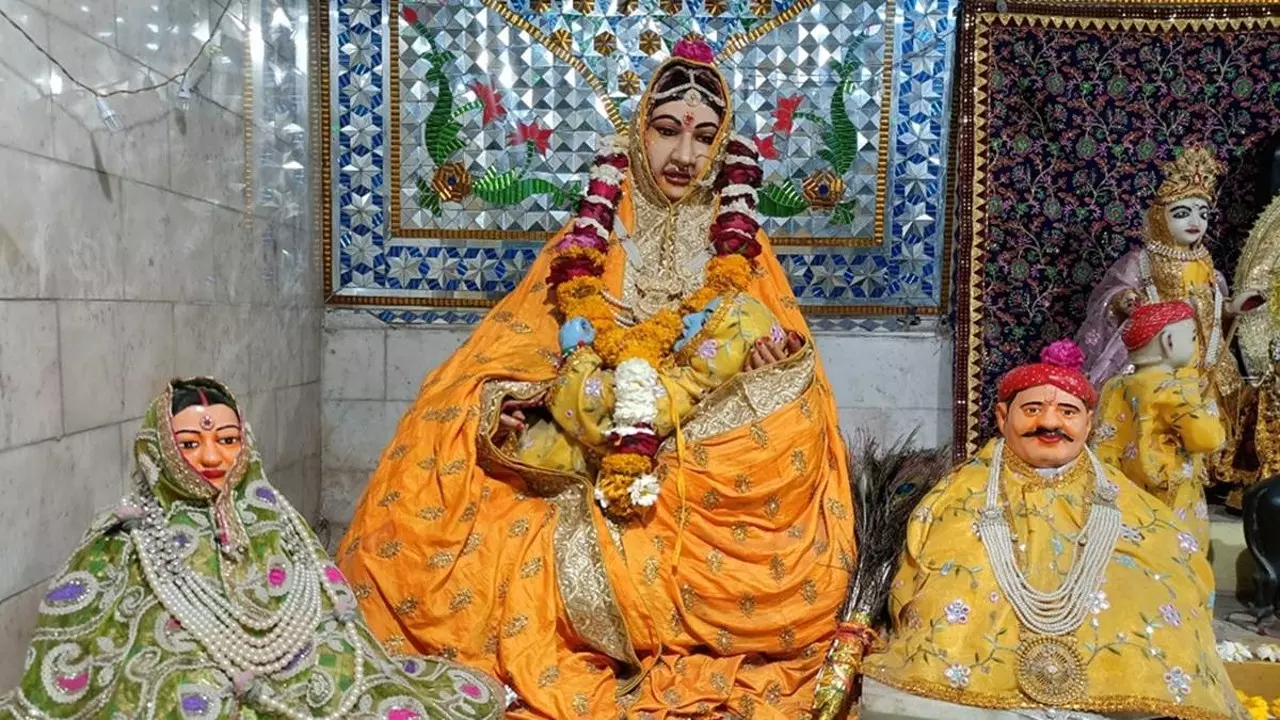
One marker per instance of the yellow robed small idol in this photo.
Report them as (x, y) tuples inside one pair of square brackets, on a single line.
[(1155, 423), (1037, 579)]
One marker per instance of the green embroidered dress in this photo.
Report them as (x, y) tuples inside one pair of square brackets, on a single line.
[(190, 602)]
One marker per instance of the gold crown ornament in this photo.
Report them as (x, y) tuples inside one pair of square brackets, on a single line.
[(1193, 174)]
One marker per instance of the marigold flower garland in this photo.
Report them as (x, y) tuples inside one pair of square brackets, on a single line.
[(626, 484)]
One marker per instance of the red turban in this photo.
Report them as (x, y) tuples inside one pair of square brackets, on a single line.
[(1060, 365), (1148, 320)]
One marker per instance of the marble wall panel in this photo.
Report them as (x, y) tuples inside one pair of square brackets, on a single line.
[(24, 81), (30, 389)]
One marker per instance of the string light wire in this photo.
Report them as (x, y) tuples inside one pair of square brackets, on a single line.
[(102, 95)]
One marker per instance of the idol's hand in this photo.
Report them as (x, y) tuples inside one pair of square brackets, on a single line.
[(766, 352), (512, 418), (1125, 303), (1245, 302)]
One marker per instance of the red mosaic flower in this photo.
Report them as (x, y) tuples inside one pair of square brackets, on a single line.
[(764, 146), (491, 99), (784, 114), (532, 133)]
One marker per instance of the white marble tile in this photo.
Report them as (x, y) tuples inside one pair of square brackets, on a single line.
[(40, 527), (30, 387), (24, 227), (24, 80), (310, 317), (222, 78), (340, 493), (168, 249), (300, 482), (213, 340), (296, 259), (82, 248), (269, 349), (896, 371), (932, 427), (242, 259), (162, 35), (146, 335), (92, 364), (18, 616), (340, 319), (128, 436), (259, 411), (298, 423), (95, 19), (207, 153), (355, 432), (412, 353), (140, 150), (354, 365)]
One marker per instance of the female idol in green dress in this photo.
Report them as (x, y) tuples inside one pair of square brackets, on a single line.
[(206, 595)]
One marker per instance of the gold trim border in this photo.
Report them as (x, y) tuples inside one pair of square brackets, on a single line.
[(735, 44), (1003, 701), (982, 22)]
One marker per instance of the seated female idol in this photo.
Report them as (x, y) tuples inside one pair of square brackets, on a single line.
[(627, 491), (207, 596)]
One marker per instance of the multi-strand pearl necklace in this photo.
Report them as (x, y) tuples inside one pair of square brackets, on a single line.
[(244, 641), (1063, 609)]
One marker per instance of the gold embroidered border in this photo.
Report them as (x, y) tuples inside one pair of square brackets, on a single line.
[(969, 370), (1008, 701), (749, 397), (588, 597)]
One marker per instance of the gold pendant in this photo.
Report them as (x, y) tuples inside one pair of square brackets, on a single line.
[(1051, 670)]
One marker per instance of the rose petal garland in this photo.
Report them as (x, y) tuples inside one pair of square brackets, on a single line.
[(626, 484)]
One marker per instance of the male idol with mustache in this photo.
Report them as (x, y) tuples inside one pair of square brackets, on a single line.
[(1036, 580)]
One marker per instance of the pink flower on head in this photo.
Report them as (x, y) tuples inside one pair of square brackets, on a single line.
[(696, 50), (1063, 353)]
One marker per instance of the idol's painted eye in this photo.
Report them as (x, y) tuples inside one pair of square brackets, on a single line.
[(188, 444)]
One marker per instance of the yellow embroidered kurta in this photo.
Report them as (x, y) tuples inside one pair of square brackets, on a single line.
[(501, 559), (1157, 428), (1147, 644)]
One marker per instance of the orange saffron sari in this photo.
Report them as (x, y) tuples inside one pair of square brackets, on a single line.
[(720, 599)]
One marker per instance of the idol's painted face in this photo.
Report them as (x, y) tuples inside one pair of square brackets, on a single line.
[(1045, 426), (1179, 342), (1188, 220), (677, 143), (210, 440)]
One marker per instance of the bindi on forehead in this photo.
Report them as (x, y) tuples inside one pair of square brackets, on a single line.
[(688, 120)]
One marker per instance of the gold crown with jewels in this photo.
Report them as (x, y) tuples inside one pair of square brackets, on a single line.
[(1193, 174)]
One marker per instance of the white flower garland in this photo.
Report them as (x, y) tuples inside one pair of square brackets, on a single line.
[(635, 394)]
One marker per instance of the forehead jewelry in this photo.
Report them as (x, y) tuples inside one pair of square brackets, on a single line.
[(206, 421), (693, 97)]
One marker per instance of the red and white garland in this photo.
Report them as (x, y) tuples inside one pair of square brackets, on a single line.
[(626, 483)]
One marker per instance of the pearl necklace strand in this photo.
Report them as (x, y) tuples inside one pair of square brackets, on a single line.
[(247, 643), (1063, 609)]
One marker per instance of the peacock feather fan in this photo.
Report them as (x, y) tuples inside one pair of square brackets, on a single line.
[(888, 484)]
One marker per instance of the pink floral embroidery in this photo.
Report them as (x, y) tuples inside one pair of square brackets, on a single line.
[(472, 691), (402, 714), (335, 576), (73, 683), (1171, 614), (957, 612), (276, 576)]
